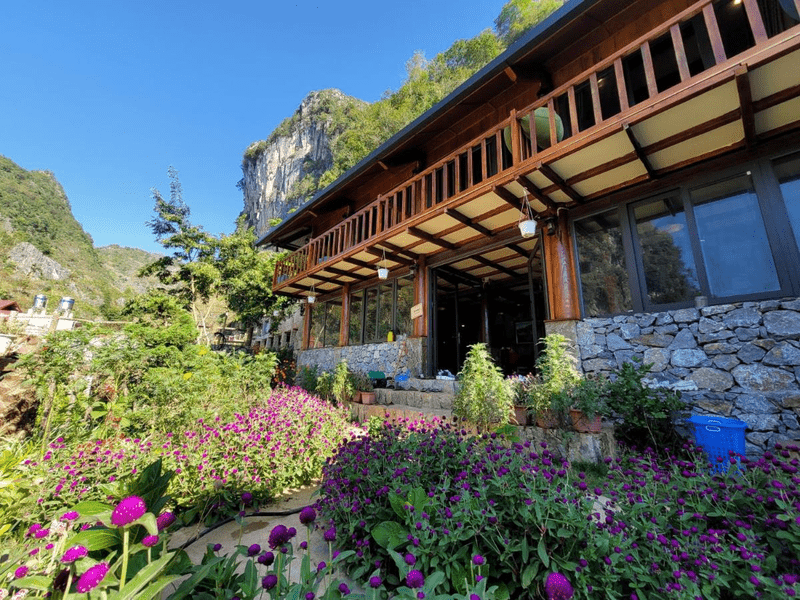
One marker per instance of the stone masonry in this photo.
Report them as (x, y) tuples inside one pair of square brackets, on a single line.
[(393, 358), (733, 360)]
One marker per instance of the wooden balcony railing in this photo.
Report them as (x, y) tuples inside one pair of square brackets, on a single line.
[(686, 45)]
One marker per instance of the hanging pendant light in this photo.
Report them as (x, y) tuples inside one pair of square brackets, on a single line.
[(312, 295), (383, 272), (527, 224)]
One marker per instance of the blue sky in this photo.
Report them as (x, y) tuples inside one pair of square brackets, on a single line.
[(108, 94)]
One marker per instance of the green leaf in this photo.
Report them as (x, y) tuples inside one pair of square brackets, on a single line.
[(36, 582), (97, 539), (542, 550), (529, 574), (398, 502), (389, 534), (90, 507), (187, 587), (148, 521), (138, 586)]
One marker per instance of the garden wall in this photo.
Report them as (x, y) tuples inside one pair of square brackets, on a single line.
[(734, 360), (403, 356)]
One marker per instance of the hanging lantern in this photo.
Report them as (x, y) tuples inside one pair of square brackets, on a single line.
[(383, 272), (527, 224), (312, 295)]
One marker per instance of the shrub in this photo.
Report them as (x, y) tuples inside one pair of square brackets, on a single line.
[(484, 397)]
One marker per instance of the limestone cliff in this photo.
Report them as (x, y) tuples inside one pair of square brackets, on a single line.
[(283, 171)]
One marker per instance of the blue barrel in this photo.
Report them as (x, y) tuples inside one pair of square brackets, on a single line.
[(39, 302), (719, 437)]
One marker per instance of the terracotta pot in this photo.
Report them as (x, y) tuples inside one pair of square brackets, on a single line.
[(547, 419), (367, 397), (357, 397), (584, 424), (520, 416)]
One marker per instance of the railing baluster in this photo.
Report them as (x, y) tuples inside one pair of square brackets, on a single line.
[(622, 89), (516, 148), (470, 168), (649, 71), (594, 89), (756, 22), (680, 51), (551, 113), (573, 109), (713, 34), (498, 149), (484, 160)]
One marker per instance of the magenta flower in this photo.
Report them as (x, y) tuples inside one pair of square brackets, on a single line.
[(266, 559), (149, 541), (33, 529), (128, 511), (164, 520), (91, 578), (73, 554), (415, 579), (344, 589), (278, 536), (410, 559), (21, 572), (375, 582), (247, 498), (478, 560), (41, 533), (253, 549), (217, 547), (269, 582), (558, 587), (70, 515), (330, 534), (308, 515)]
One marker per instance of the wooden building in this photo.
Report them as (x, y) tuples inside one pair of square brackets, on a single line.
[(655, 143)]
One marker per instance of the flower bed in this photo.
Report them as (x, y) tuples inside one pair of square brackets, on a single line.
[(657, 527)]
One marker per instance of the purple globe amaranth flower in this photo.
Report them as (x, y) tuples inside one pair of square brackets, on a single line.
[(308, 515), (247, 498), (217, 547), (91, 578), (291, 532), (278, 536), (269, 582), (128, 511), (309, 595), (149, 541), (41, 533), (266, 559), (330, 535), (33, 529), (415, 579), (410, 559), (375, 581), (478, 560), (164, 520), (74, 553), (21, 572), (344, 589), (70, 515), (558, 587), (253, 549)]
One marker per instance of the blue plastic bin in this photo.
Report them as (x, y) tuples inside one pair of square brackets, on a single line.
[(719, 436)]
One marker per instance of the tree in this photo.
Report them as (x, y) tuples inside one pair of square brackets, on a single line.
[(246, 276), (190, 270), (517, 16)]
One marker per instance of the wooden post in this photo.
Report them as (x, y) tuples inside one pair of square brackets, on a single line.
[(485, 338), (562, 287), (344, 324), (421, 297), (306, 326)]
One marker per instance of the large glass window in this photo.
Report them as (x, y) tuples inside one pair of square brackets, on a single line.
[(325, 321), (405, 300), (666, 251), (733, 238), (788, 173), (356, 316), (604, 279), (382, 308), (727, 240)]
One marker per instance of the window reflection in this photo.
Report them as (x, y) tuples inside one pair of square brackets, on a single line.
[(356, 306), (733, 239), (669, 269), (788, 172), (405, 300), (604, 279)]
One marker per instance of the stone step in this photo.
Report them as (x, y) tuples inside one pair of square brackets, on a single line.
[(396, 412), (424, 400)]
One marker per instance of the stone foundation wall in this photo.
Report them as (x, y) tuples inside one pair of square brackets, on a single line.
[(393, 358), (734, 360)]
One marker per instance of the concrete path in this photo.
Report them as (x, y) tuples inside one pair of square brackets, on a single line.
[(256, 531)]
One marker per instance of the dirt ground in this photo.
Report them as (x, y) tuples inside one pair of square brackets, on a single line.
[(17, 401)]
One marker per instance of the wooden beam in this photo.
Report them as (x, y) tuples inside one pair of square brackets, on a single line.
[(510, 74), (377, 253), (746, 100), (359, 263), (318, 277), (488, 263), (508, 197), (428, 237), (640, 154), (411, 255), (519, 250), (344, 273), (548, 172), (534, 191), (452, 212)]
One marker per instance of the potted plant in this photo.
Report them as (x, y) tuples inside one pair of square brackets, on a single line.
[(483, 396), (519, 389), (343, 387), (556, 373), (364, 385), (587, 405)]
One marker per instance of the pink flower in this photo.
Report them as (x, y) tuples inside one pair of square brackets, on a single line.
[(70, 516), (558, 587), (21, 572), (73, 554), (127, 511), (149, 541), (91, 578), (164, 520)]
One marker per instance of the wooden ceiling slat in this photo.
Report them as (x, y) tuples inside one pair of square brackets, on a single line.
[(451, 212), (548, 172), (640, 154), (380, 255), (429, 237), (534, 191)]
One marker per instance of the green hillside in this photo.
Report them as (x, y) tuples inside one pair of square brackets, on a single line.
[(35, 209)]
